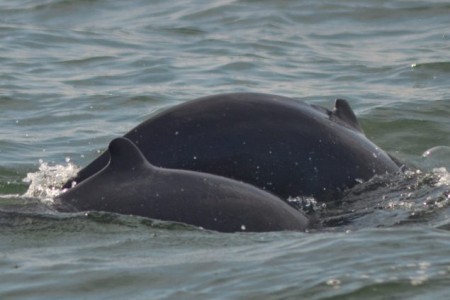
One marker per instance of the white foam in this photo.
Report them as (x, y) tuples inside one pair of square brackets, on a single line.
[(46, 183), (444, 176), (306, 204)]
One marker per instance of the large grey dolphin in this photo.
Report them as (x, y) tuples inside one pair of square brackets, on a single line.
[(129, 184), (279, 144)]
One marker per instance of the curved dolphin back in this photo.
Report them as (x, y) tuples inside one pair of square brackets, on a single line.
[(130, 185), (279, 144)]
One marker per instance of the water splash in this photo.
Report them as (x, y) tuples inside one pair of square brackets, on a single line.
[(306, 204), (412, 196), (443, 176), (437, 157), (46, 183)]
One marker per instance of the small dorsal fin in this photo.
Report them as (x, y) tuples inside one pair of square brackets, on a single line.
[(343, 114), (125, 155)]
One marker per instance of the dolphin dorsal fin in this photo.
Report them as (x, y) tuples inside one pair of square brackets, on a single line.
[(125, 155), (343, 114)]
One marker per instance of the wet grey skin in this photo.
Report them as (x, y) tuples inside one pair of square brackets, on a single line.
[(130, 185), (279, 144)]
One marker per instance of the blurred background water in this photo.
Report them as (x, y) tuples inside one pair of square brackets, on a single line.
[(75, 74)]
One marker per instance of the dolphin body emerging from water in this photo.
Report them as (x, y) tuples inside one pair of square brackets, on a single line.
[(281, 145), (129, 184)]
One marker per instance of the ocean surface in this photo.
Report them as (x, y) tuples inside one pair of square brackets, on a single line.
[(76, 73)]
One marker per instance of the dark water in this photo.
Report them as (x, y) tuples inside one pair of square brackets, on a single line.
[(75, 74)]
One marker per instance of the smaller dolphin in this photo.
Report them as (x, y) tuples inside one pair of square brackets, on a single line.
[(129, 184)]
